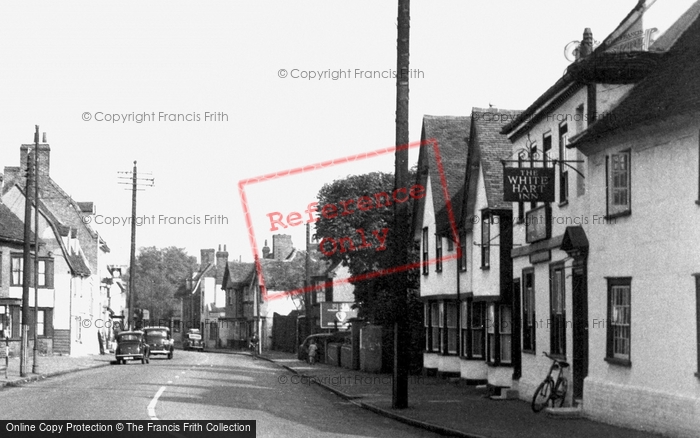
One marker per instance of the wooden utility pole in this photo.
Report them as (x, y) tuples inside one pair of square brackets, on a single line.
[(26, 259), (399, 393), (132, 257), (35, 365), (307, 284), (132, 260)]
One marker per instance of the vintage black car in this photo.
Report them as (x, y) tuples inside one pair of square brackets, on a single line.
[(193, 340), (132, 345), (159, 341)]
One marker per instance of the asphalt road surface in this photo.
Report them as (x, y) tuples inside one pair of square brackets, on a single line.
[(199, 386)]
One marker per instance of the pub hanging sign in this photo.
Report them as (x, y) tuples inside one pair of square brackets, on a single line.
[(528, 184)]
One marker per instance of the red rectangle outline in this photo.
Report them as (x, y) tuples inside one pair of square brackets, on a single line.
[(321, 165)]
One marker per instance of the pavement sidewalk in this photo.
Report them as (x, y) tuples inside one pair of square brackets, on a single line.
[(445, 407), (49, 366)]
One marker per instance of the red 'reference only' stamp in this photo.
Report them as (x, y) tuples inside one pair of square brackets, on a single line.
[(368, 239)]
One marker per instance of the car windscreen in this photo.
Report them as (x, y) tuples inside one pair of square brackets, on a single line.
[(157, 334), (128, 338)]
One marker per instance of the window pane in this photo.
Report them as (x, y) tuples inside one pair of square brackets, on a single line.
[(452, 340), (506, 351), (451, 314), (477, 343), (620, 321), (506, 321)]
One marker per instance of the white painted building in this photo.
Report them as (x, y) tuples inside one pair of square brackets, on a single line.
[(644, 264), (445, 141), (487, 323)]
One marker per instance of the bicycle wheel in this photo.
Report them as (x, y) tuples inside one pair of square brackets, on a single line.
[(542, 395), (560, 391)]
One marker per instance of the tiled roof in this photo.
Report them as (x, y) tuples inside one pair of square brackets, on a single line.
[(11, 227), (238, 273), (78, 265), (671, 89), (566, 84), (63, 208), (488, 148), (451, 134)]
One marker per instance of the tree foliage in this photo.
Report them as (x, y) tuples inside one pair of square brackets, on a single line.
[(372, 295), (159, 274)]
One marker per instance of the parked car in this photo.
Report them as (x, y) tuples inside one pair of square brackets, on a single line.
[(132, 345), (159, 341), (193, 340), (321, 339)]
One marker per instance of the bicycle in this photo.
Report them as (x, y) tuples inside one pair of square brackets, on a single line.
[(551, 389)]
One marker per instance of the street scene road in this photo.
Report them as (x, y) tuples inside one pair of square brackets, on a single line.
[(199, 386)]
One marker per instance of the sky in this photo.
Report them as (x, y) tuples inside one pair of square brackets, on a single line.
[(204, 95)]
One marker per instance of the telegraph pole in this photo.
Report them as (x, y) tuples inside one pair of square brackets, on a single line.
[(399, 390), (148, 182), (24, 346), (307, 283), (35, 365)]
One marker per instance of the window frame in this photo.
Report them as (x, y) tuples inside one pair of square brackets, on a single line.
[(462, 256), (505, 332), (697, 319), (557, 328), (452, 326), (563, 169), (612, 209), (16, 270), (426, 255), (438, 253), (618, 283), (529, 321), (427, 325), (464, 328), (533, 152), (41, 322), (491, 333), (435, 326), (485, 239), (477, 330), (546, 146)]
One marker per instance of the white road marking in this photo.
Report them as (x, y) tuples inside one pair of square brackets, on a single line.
[(152, 404)]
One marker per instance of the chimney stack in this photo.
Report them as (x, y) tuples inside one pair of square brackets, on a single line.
[(207, 257), (281, 246), (586, 47), (44, 158), (221, 261), (266, 251)]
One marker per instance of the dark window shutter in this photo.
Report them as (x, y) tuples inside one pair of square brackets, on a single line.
[(29, 270), (329, 290), (49, 274), (609, 332), (48, 322), (30, 321)]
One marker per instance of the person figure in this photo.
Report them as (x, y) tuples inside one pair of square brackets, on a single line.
[(313, 350), (254, 346)]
